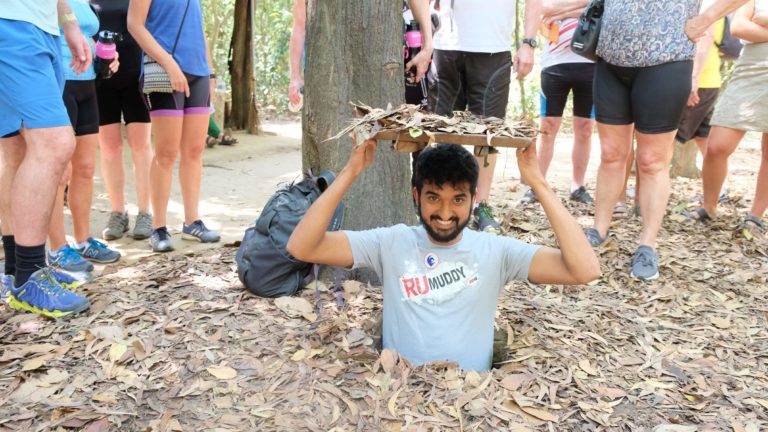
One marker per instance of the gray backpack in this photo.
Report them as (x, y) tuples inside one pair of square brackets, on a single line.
[(263, 264)]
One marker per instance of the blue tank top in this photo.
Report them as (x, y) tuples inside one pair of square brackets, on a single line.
[(163, 22), (89, 26)]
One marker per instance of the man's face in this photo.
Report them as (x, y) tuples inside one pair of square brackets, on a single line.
[(444, 211)]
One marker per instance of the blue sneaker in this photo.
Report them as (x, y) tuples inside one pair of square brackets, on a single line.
[(199, 232), (44, 295), (66, 258), (97, 251), (5, 288), (71, 281)]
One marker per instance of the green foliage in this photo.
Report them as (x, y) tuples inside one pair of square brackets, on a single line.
[(218, 18), (272, 35)]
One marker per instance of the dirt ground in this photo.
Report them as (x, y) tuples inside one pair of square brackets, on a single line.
[(174, 343)]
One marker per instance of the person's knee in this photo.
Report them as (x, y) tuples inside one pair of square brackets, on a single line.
[(650, 162), (111, 147), (192, 153), (613, 155), (83, 170), (166, 158), (139, 146), (582, 128), (718, 151)]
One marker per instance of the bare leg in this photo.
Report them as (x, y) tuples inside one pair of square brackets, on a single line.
[(12, 151), (760, 203), (654, 153), (111, 143), (486, 176), (56, 228), (191, 166), (81, 185), (138, 140), (168, 131), (628, 172), (33, 194), (722, 143), (701, 143), (582, 145), (615, 142), (550, 126)]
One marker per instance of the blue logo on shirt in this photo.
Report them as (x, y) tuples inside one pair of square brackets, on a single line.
[(431, 261)]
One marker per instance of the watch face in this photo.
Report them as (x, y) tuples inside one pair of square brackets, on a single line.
[(531, 42)]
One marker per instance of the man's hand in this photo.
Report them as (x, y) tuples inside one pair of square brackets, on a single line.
[(114, 65), (362, 156), (528, 164), (522, 64), (693, 98), (421, 62), (696, 27), (294, 89), (78, 45)]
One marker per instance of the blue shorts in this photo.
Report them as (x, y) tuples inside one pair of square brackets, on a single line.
[(32, 79)]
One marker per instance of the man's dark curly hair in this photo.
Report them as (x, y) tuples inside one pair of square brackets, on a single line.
[(446, 163)]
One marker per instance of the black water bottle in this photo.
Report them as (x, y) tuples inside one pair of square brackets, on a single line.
[(412, 47), (106, 50)]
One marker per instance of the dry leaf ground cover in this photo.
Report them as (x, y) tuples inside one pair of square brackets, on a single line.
[(175, 344)]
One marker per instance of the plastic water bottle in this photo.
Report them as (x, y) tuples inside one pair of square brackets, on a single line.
[(106, 50), (412, 47), (297, 107)]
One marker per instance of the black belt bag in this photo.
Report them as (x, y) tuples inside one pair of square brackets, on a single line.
[(587, 33)]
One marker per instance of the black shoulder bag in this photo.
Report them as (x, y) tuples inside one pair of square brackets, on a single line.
[(587, 33)]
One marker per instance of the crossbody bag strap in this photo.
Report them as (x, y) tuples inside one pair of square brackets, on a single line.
[(183, 18)]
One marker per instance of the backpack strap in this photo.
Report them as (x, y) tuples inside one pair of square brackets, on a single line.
[(338, 290)]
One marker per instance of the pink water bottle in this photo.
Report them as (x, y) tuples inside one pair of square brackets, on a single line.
[(106, 49)]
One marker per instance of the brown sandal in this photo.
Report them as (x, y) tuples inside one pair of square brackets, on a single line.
[(211, 142)]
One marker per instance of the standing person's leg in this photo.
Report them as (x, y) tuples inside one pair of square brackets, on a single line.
[(659, 96), (613, 111), (141, 153), (760, 202), (12, 150), (113, 172), (582, 147), (550, 126), (582, 76), (721, 144), (56, 229), (196, 117), (555, 88)]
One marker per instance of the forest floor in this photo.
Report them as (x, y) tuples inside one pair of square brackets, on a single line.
[(174, 343)]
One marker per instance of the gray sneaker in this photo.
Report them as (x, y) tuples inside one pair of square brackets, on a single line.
[(143, 227), (581, 195), (645, 264), (116, 226), (199, 232), (594, 237), (161, 240), (528, 197)]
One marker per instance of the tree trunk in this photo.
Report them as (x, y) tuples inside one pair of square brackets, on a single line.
[(244, 112), (354, 52), (684, 160)]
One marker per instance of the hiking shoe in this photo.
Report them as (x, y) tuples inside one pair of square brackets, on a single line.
[(199, 232), (97, 251), (645, 264), (528, 197), (161, 240), (44, 295), (143, 227), (581, 195), (71, 281), (116, 226), (68, 259), (593, 235), (484, 220), (5, 288)]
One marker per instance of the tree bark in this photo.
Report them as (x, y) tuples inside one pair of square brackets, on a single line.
[(354, 52), (684, 160), (244, 113)]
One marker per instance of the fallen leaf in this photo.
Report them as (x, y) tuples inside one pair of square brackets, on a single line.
[(222, 372)]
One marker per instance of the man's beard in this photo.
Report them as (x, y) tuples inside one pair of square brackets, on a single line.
[(443, 238)]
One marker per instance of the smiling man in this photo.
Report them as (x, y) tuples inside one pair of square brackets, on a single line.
[(442, 281)]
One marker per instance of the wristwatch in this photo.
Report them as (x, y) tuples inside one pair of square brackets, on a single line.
[(531, 42)]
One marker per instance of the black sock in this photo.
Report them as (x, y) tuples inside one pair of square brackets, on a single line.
[(29, 259), (9, 246)]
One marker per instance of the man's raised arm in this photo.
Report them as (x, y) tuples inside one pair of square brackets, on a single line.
[(310, 242), (575, 262)]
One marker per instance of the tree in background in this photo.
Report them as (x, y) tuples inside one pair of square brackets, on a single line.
[(354, 52), (244, 114)]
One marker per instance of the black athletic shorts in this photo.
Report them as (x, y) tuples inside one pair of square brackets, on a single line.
[(478, 82), (120, 98), (82, 106), (177, 104), (652, 97), (695, 121), (559, 80)]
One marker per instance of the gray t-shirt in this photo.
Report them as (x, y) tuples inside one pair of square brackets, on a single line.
[(440, 301), (639, 33)]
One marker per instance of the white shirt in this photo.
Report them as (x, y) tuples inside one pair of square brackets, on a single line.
[(485, 26), (41, 13)]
